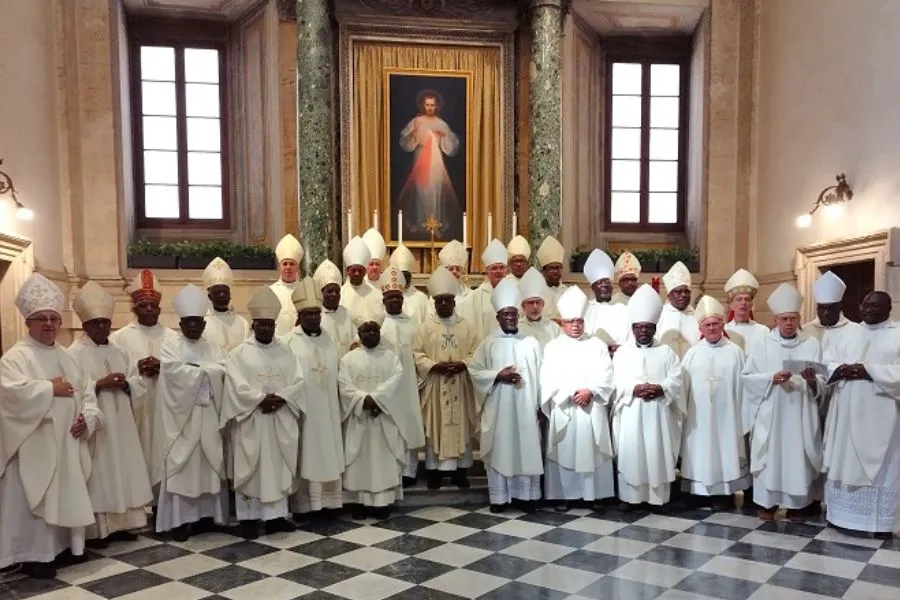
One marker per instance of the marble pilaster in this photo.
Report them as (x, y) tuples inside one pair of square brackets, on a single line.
[(545, 103)]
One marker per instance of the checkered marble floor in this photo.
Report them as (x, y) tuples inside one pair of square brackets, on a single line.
[(444, 553)]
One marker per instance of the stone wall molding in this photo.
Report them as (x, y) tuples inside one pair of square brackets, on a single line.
[(500, 11)]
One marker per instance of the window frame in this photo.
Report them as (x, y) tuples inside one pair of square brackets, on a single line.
[(673, 50), (180, 34)]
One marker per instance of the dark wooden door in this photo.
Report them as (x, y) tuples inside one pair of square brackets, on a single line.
[(860, 280)]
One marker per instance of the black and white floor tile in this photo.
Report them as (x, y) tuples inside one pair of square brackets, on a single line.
[(448, 553)]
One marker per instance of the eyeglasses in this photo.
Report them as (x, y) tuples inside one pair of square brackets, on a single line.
[(53, 320)]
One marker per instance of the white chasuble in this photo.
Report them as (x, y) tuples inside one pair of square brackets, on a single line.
[(226, 329), (118, 491), (288, 315), (338, 324), (44, 500), (191, 384), (714, 459), (264, 447), (677, 329), (647, 433), (579, 445), (374, 447), (141, 342), (619, 297), (476, 308), (553, 294), (786, 438), (416, 304), (544, 330), (862, 432), (751, 332), (363, 302), (607, 321)]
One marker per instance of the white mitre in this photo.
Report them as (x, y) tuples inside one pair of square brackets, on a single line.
[(392, 280), (506, 294), (645, 305), (93, 302), (289, 248), (519, 246), (306, 294), (356, 253), (598, 266), (678, 276), (572, 304), (327, 273), (39, 293), (533, 285), (264, 304), (375, 243), (454, 254), (550, 252), (190, 301), (495, 253), (442, 282), (741, 282), (217, 272), (828, 289), (403, 258), (709, 307), (627, 264), (785, 299)]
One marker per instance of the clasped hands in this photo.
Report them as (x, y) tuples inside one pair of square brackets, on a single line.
[(371, 407), (782, 377), (582, 397), (854, 372), (449, 368), (112, 381), (647, 391), (149, 366), (64, 389), (271, 403), (508, 375)]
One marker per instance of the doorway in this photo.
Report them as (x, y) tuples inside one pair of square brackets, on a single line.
[(860, 280)]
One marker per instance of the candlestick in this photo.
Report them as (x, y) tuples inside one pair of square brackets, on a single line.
[(490, 228), (465, 239), (400, 226), (375, 219), (515, 223), (349, 225)]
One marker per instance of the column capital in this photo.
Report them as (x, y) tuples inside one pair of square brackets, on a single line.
[(557, 4)]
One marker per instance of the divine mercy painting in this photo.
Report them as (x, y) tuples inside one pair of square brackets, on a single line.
[(427, 152)]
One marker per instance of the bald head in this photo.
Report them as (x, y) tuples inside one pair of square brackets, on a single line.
[(875, 308)]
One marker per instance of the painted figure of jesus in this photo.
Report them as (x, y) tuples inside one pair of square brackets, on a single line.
[(428, 190)]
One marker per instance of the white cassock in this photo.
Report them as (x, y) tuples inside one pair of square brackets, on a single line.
[(118, 491), (264, 447), (338, 324), (544, 330), (190, 399), (374, 448), (415, 304), (579, 445), (786, 438), (608, 321), (287, 318), (862, 432), (363, 302), (510, 436), (677, 329), (553, 295), (751, 332), (226, 329), (321, 445), (476, 308), (647, 434), (139, 342), (397, 333), (714, 459), (619, 297), (44, 500)]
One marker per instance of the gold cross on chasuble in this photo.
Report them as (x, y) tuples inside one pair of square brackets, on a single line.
[(268, 379), (319, 369)]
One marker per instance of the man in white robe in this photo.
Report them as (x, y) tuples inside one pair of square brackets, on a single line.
[(476, 307), (741, 289), (377, 252), (626, 273), (862, 431), (375, 451), (714, 459), (47, 414), (224, 327), (142, 340), (830, 326), (454, 257), (442, 348), (649, 408), (604, 318), (191, 382), (519, 251), (119, 492), (264, 397), (550, 255), (781, 408), (361, 299), (505, 372), (677, 327), (532, 321), (318, 488), (415, 303), (335, 318), (576, 391), (288, 253)]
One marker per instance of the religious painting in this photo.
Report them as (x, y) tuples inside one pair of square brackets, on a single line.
[(426, 153)]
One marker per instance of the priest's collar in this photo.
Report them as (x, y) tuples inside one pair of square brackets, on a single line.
[(721, 342), (886, 324), (33, 342), (286, 283), (486, 286), (798, 339), (87, 339), (841, 322), (670, 308)]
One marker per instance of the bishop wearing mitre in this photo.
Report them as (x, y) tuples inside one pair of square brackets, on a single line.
[(550, 255), (455, 258), (532, 320), (288, 253), (224, 327), (714, 460), (442, 347), (361, 299), (649, 408), (626, 273), (781, 408), (576, 392), (415, 303), (377, 252), (47, 414), (142, 340), (261, 407), (505, 372), (335, 318), (741, 289), (476, 307), (519, 251), (677, 327), (375, 451), (191, 382), (830, 326), (604, 318), (119, 492)]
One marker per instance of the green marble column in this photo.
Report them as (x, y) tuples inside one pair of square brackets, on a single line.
[(545, 102), (315, 164)]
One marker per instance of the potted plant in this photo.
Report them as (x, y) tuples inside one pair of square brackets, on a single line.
[(668, 257), (250, 257), (196, 255), (692, 260), (578, 258), (148, 254), (649, 259)]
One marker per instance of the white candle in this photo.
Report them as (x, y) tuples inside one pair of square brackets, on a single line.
[(465, 239), (490, 228), (349, 225), (515, 223), (400, 226), (375, 219)]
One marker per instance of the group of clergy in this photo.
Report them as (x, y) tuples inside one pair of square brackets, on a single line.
[(327, 396)]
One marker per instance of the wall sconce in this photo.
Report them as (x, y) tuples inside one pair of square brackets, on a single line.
[(831, 198), (7, 187)]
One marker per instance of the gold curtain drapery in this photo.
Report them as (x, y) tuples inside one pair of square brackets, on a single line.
[(370, 121)]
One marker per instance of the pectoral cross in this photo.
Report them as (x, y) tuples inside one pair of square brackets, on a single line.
[(319, 370), (368, 381), (433, 226), (268, 377), (712, 379), (449, 340)]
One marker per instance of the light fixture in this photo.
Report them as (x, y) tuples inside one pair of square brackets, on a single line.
[(7, 187), (832, 198)]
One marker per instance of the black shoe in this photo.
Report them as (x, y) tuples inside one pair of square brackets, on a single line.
[(498, 508), (97, 544), (279, 525), (380, 513), (358, 513), (597, 506), (181, 533), (67, 559), (562, 507), (123, 536), (626, 507), (408, 482), (460, 480), (38, 570), (528, 507), (206, 525), (434, 480), (250, 529)]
